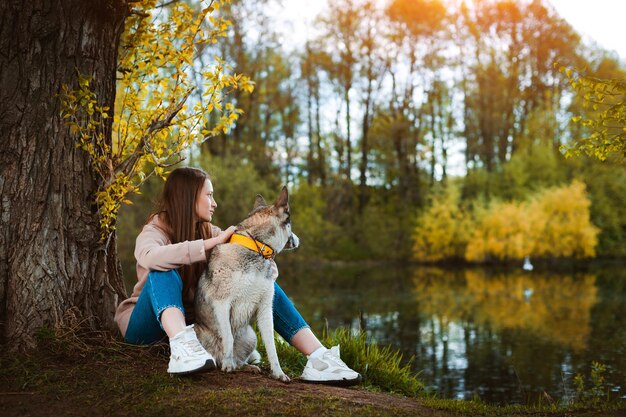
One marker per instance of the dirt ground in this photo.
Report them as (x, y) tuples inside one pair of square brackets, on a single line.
[(125, 381), (86, 379), (218, 393)]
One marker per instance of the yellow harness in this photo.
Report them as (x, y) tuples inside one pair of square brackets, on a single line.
[(254, 245)]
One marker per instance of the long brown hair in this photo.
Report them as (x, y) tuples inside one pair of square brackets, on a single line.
[(177, 210)]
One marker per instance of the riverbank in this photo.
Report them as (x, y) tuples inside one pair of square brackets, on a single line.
[(98, 376)]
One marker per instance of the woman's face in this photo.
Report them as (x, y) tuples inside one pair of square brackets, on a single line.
[(205, 203)]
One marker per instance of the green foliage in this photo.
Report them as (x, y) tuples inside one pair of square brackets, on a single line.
[(330, 227), (530, 169), (324, 222), (310, 223), (598, 392), (385, 227), (236, 183), (476, 184), (606, 183), (605, 103), (534, 166)]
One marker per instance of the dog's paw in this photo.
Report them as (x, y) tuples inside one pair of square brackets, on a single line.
[(252, 368), (281, 377), (228, 365)]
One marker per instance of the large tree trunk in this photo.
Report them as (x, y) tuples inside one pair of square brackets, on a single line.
[(52, 263)]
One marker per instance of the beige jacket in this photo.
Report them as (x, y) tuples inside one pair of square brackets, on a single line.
[(155, 252)]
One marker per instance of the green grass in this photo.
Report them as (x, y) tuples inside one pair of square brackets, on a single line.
[(380, 366)]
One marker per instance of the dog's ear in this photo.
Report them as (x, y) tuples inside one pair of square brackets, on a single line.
[(259, 202), (283, 199)]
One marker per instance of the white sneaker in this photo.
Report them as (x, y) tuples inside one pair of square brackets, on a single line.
[(187, 354), (329, 369)]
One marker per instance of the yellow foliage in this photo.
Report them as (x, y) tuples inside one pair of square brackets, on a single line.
[(604, 102), (442, 231), (503, 234), (564, 228), (555, 224), (152, 125)]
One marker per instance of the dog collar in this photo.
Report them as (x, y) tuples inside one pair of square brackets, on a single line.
[(254, 245)]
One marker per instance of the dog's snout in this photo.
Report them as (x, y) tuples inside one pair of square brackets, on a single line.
[(293, 242)]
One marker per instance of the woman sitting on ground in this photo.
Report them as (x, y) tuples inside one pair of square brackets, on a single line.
[(171, 256)]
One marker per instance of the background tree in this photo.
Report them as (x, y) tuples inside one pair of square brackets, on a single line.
[(432, 89), (339, 40), (417, 32), (371, 71), (310, 66), (512, 47)]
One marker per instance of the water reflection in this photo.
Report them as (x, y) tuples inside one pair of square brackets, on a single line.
[(551, 307), (506, 336)]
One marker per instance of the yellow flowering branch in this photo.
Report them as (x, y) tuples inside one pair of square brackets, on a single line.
[(152, 122)]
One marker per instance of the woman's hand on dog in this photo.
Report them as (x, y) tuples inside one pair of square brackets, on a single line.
[(225, 235)]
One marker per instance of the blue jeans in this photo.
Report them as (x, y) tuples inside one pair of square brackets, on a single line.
[(164, 289)]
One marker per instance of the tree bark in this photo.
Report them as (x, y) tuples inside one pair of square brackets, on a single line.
[(347, 88), (365, 149), (52, 262), (321, 156), (308, 73)]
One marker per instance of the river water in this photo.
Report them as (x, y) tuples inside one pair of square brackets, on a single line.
[(503, 335)]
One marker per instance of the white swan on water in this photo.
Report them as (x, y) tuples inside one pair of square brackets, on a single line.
[(527, 265)]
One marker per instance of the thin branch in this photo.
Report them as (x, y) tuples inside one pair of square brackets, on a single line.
[(140, 14), (163, 165), (128, 165), (165, 4)]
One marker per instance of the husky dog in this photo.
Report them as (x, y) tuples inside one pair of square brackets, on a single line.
[(238, 286)]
